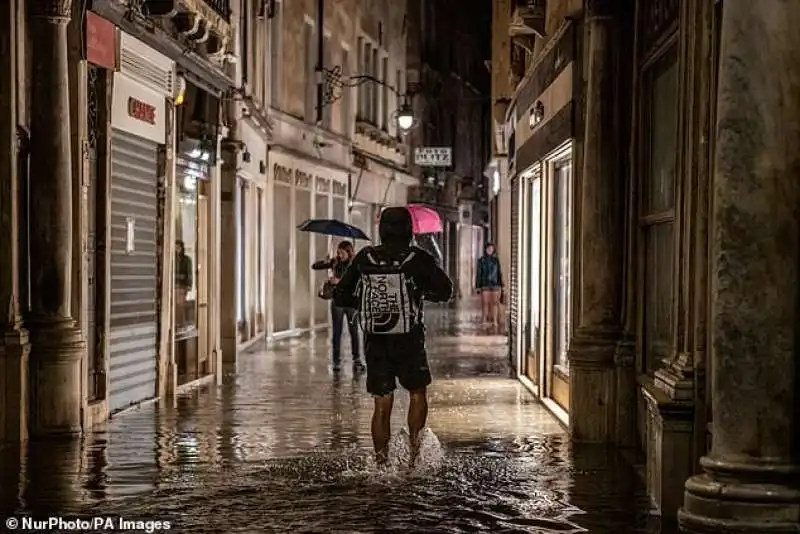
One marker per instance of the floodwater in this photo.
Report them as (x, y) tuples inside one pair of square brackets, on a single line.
[(284, 447)]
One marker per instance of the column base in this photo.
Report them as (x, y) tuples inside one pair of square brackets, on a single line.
[(57, 353), (591, 386), (738, 497), (14, 357)]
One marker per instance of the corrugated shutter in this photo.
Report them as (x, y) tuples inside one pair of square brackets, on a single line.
[(513, 301), (134, 282)]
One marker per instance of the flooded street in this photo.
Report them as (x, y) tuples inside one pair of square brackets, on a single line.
[(284, 446)]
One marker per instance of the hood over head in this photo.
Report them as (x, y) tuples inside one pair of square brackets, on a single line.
[(395, 227)]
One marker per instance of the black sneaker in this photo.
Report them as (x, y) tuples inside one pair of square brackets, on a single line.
[(336, 366), (359, 367)]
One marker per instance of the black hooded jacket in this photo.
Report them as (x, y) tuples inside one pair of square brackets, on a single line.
[(396, 233)]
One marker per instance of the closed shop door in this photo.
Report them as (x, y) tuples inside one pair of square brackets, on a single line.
[(133, 360)]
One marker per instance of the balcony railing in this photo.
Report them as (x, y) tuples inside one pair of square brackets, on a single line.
[(221, 7)]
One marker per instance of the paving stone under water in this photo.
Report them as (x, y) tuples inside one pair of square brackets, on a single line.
[(284, 446)]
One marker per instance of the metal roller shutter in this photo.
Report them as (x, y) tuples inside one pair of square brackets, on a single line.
[(513, 300), (134, 282)]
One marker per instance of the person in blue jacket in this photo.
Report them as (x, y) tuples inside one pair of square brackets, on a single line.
[(489, 284)]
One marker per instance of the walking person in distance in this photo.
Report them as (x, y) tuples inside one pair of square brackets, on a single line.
[(489, 284), (345, 253), (388, 283)]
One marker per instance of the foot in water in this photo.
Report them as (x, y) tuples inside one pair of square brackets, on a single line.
[(411, 447), (381, 460)]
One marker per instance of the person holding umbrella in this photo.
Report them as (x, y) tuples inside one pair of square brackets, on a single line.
[(338, 265), (345, 253)]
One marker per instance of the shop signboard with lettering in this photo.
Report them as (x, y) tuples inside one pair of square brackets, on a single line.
[(433, 156), (138, 109)]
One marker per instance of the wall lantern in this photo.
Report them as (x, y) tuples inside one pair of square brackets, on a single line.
[(536, 114)]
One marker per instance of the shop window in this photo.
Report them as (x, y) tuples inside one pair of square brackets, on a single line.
[(241, 247), (561, 264), (260, 273), (283, 234), (658, 210), (534, 275), (303, 261)]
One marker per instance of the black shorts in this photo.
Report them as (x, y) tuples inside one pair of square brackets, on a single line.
[(392, 359)]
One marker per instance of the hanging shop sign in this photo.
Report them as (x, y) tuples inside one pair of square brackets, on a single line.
[(101, 41), (138, 109), (433, 156)]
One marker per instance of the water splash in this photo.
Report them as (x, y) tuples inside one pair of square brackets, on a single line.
[(430, 456)]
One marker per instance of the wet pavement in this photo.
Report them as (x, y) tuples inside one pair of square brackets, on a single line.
[(283, 447)]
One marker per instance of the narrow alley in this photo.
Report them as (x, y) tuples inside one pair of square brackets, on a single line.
[(284, 446)]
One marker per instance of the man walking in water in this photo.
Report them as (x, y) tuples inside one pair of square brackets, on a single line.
[(387, 284)]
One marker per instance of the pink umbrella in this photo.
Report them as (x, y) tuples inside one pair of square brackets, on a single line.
[(426, 220)]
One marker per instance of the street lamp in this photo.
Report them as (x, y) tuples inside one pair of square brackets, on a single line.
[(405, 118)]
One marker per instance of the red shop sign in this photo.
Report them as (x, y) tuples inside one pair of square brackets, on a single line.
[(101, 41), (141, 111)]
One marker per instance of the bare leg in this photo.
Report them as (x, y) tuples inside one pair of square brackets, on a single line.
[(484, 306), (492, 298), (417, 417), (381, 426)]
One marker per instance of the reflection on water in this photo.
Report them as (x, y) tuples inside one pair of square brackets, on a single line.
[(284, 446)]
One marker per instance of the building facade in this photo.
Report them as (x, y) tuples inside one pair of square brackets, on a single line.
[(650, 227), (343, 159), (102, 315), (449, 81)]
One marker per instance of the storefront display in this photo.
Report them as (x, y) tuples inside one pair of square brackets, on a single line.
[(301, 190), (322, 245), (283, 233), (303, 294), (559, 175), (190, 298)]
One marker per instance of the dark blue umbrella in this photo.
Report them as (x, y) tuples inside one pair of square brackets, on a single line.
[(332, 227)]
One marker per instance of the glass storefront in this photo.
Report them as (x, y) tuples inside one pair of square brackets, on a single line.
[(533, 327), (191, 253), (282, 228), (241, 248), (303, 261), (561, 262), (559, 170), (543, 282), (260, 270), (322, 249)]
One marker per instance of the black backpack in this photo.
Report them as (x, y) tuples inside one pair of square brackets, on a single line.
[(388, 296)]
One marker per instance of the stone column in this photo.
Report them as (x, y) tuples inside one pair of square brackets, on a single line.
[(57, 343), (14, 347), (229, 327), (598, 225), (750, 478)]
